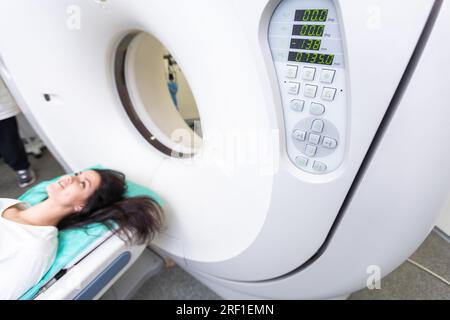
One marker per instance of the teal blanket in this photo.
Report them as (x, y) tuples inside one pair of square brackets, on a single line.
[(72, 242)]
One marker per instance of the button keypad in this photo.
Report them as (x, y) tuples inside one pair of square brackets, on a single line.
[(313, 137)]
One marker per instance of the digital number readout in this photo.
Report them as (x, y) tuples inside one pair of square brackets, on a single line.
[(316, 15), (311, 57), (305, 44), (311, 30)]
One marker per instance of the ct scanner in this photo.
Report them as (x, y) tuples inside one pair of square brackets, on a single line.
[(325, 131)]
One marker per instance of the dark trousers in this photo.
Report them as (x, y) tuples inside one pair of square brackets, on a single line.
[(11, 146)]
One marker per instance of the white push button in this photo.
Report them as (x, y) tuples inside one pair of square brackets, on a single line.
[(314, 138), (319, 166), (328, 94), (329, 143), (316, 109), (297, 104), (310, 150), (299, 135), (317, 126), (291, 71), (293, 87), (301, 161), (310, 91), (327, 76), (308, 73)]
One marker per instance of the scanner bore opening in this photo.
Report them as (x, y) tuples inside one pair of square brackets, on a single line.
[(144, 75)]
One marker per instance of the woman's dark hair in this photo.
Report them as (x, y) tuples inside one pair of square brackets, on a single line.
[(136, 220)]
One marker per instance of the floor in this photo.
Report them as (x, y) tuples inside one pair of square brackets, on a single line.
[(406, 282)]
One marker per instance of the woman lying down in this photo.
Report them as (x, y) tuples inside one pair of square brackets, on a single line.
[(29, 235)]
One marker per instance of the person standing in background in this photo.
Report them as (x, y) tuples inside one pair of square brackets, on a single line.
[(11, 146), (173, 89)]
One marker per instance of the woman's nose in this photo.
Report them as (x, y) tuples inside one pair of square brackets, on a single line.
[(69, 179)]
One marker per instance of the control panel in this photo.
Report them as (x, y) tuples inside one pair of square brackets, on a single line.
[(306, 46)]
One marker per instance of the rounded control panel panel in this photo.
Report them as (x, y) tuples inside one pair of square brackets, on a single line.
[(307, 51)]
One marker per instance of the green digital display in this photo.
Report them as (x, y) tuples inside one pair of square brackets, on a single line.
[(310, 30), (305, 44), (315, 15), (311, 57)]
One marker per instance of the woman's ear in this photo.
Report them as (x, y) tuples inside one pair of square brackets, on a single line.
[(78, 208)]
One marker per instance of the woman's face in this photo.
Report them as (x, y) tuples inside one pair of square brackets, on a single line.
[(74, 191)]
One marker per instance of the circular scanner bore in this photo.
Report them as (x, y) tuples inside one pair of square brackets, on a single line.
[(156, 95)]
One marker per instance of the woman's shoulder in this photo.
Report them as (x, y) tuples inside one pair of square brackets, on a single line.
[(6, 203), (7, 200), (27, 233)]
